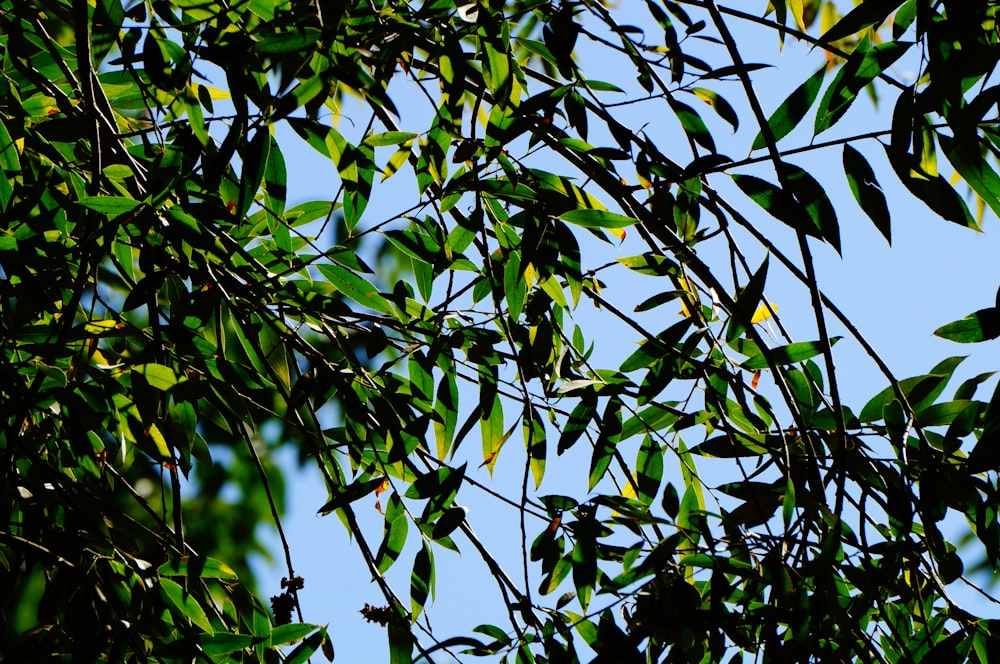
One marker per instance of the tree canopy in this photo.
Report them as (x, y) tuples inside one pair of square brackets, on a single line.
[(572, 267)]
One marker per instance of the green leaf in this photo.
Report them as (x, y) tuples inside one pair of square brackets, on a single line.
[(199, 567), (652, 264), (113, 206), (934, 190), (298, 40), (9, 165), (224, 643), (661, 346), (810, 197), (768, 196), (446, 411), (982, 325), (601, 86), (746, 303), (400, 641), (186, 604), (863, 65), (971, 163), (693, 125), (607, 441), (919, 391), (730, 446), (867, 191), (421, 579), (286, 634), (394, 537), (792, 110), (390, 138), (344, 495), (719, 105), (649, 470), (597, 219), (790, 354), (577, 422), (305, 650), (865, 15), (535, 443), (157, 375), (355, 287)]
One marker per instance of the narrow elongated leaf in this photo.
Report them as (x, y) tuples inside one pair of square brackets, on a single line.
[(355, 287), (446, 413), (790, 354), (400, 642), (607, 440), (285, 634), (186, 604), (389, 138), (919, 391), (157, 375), (867, 191), (112, 206), (791, 111), (577, 422), (199, 567), (347, 494), (223, 644), (981, 325), (394, 537), (652, 350), (291, 41), (535, 442), (421, 579), (768, 196), (597, 219), (971, 163), (649, 470), (865, 15), (746, 303), (719, 105), (811, 198), (934, 191), (693, 125), (864, 64)]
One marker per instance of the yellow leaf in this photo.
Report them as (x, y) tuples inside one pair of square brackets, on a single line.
[(529, 275), (160, 442), (795, 6), (100, 326), (762, 313), (628, 491)]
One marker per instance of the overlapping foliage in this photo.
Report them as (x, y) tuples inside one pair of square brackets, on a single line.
[(164, 305)]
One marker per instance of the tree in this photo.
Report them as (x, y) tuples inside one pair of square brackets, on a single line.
[(169, 320)]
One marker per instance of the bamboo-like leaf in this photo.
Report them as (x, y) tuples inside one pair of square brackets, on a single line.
[(421, 579), (186, 603), (791, 111), (355, 287), (113, 206), (597, 219), (790, 354), (535, 442), (861, 68), (934, 191), (981, 325), (746, 303), (867, 191), (971, 163), (865, 15), (394, 538)]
